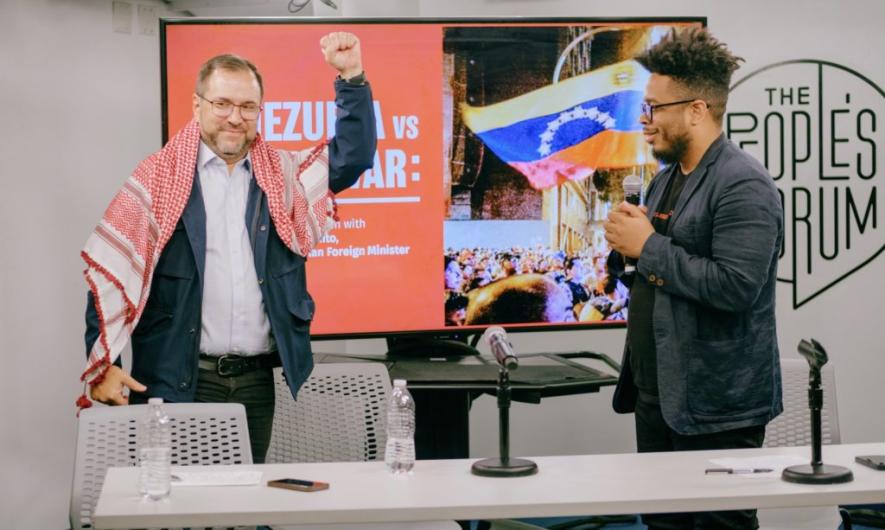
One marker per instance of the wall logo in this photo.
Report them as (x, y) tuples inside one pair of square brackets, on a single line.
[(817, 127)]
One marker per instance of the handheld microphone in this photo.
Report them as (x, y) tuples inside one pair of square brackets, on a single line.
[(633, 195), (502, 350)]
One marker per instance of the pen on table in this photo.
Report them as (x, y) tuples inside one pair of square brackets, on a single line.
[(737, 471)]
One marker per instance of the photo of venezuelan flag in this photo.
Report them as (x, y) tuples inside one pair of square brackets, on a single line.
[(541, 127), (568, 129)]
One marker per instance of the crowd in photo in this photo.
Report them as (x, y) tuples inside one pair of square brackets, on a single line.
[(584, 291)]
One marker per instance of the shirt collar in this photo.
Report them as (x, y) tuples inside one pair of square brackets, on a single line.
[(205, 156)]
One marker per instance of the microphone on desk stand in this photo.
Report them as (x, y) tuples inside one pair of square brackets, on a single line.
[(503, 466), (817, 472), (501, 348)]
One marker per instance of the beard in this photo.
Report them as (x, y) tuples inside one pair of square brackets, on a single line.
[(675, 149), (229, 148)]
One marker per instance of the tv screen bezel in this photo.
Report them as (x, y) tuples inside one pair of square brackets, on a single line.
[(458, 333)]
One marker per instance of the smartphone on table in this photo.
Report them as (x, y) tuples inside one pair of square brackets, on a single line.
[(298, 484), (873, 461)]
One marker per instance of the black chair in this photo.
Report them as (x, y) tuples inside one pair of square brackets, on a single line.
[(862, 517)]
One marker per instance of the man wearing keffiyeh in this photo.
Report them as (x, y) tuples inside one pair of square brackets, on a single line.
[(199, 259)]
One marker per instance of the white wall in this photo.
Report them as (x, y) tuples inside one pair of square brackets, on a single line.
[(81, 106)]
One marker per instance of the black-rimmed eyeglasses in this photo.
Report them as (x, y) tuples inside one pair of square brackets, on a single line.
[(648, 109), (223, 109)]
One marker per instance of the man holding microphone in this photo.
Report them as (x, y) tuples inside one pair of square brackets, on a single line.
[(701, 366)]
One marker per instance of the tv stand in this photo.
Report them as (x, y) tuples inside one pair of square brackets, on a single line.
[(430, 346), (442, 427), (444, 387)]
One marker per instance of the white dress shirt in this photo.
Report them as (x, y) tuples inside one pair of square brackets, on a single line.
[(234, 320)]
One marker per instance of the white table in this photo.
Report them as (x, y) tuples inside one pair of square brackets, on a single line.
[(445, 489)]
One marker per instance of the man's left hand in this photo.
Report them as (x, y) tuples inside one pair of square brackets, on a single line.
[(342, 52), (627, 229)]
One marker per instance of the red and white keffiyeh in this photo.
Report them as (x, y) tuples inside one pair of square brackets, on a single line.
[(124, 249)]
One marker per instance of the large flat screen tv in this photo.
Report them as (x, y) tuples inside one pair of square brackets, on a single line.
[(502, 147)]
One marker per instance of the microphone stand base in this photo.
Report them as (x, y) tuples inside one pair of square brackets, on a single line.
[(822, 474), (512, 467)]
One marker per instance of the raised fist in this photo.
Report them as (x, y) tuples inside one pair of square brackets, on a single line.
[(342, 51)]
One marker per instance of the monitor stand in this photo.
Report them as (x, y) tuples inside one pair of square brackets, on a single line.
[(442, 426), (448, 345)]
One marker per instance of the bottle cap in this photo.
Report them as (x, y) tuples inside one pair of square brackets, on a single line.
[(399, 383), (155, 401)]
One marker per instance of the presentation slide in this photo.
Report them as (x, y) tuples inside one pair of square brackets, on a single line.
[(501, 148)]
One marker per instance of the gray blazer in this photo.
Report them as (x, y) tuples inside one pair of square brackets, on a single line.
[(714, 317)]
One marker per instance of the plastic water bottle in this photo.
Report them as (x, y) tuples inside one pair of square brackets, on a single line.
[(155, 452), (399, 455)]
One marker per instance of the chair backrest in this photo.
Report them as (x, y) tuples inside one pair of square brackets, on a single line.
[(793, 426), (338, 417), (202, 434)]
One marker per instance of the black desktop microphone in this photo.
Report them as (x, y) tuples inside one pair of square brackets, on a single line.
[(503, 466), (816, 472), (633, 195), (501, 349)]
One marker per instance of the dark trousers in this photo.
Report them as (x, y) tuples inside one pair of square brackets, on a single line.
[(255, 391), (654, 435)]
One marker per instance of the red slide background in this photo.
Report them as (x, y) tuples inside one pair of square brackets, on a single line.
[(370, 293)]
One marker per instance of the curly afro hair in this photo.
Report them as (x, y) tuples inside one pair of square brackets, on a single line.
[(698, 62)]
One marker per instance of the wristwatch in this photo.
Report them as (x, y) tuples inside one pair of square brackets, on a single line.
[(358, 79)]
